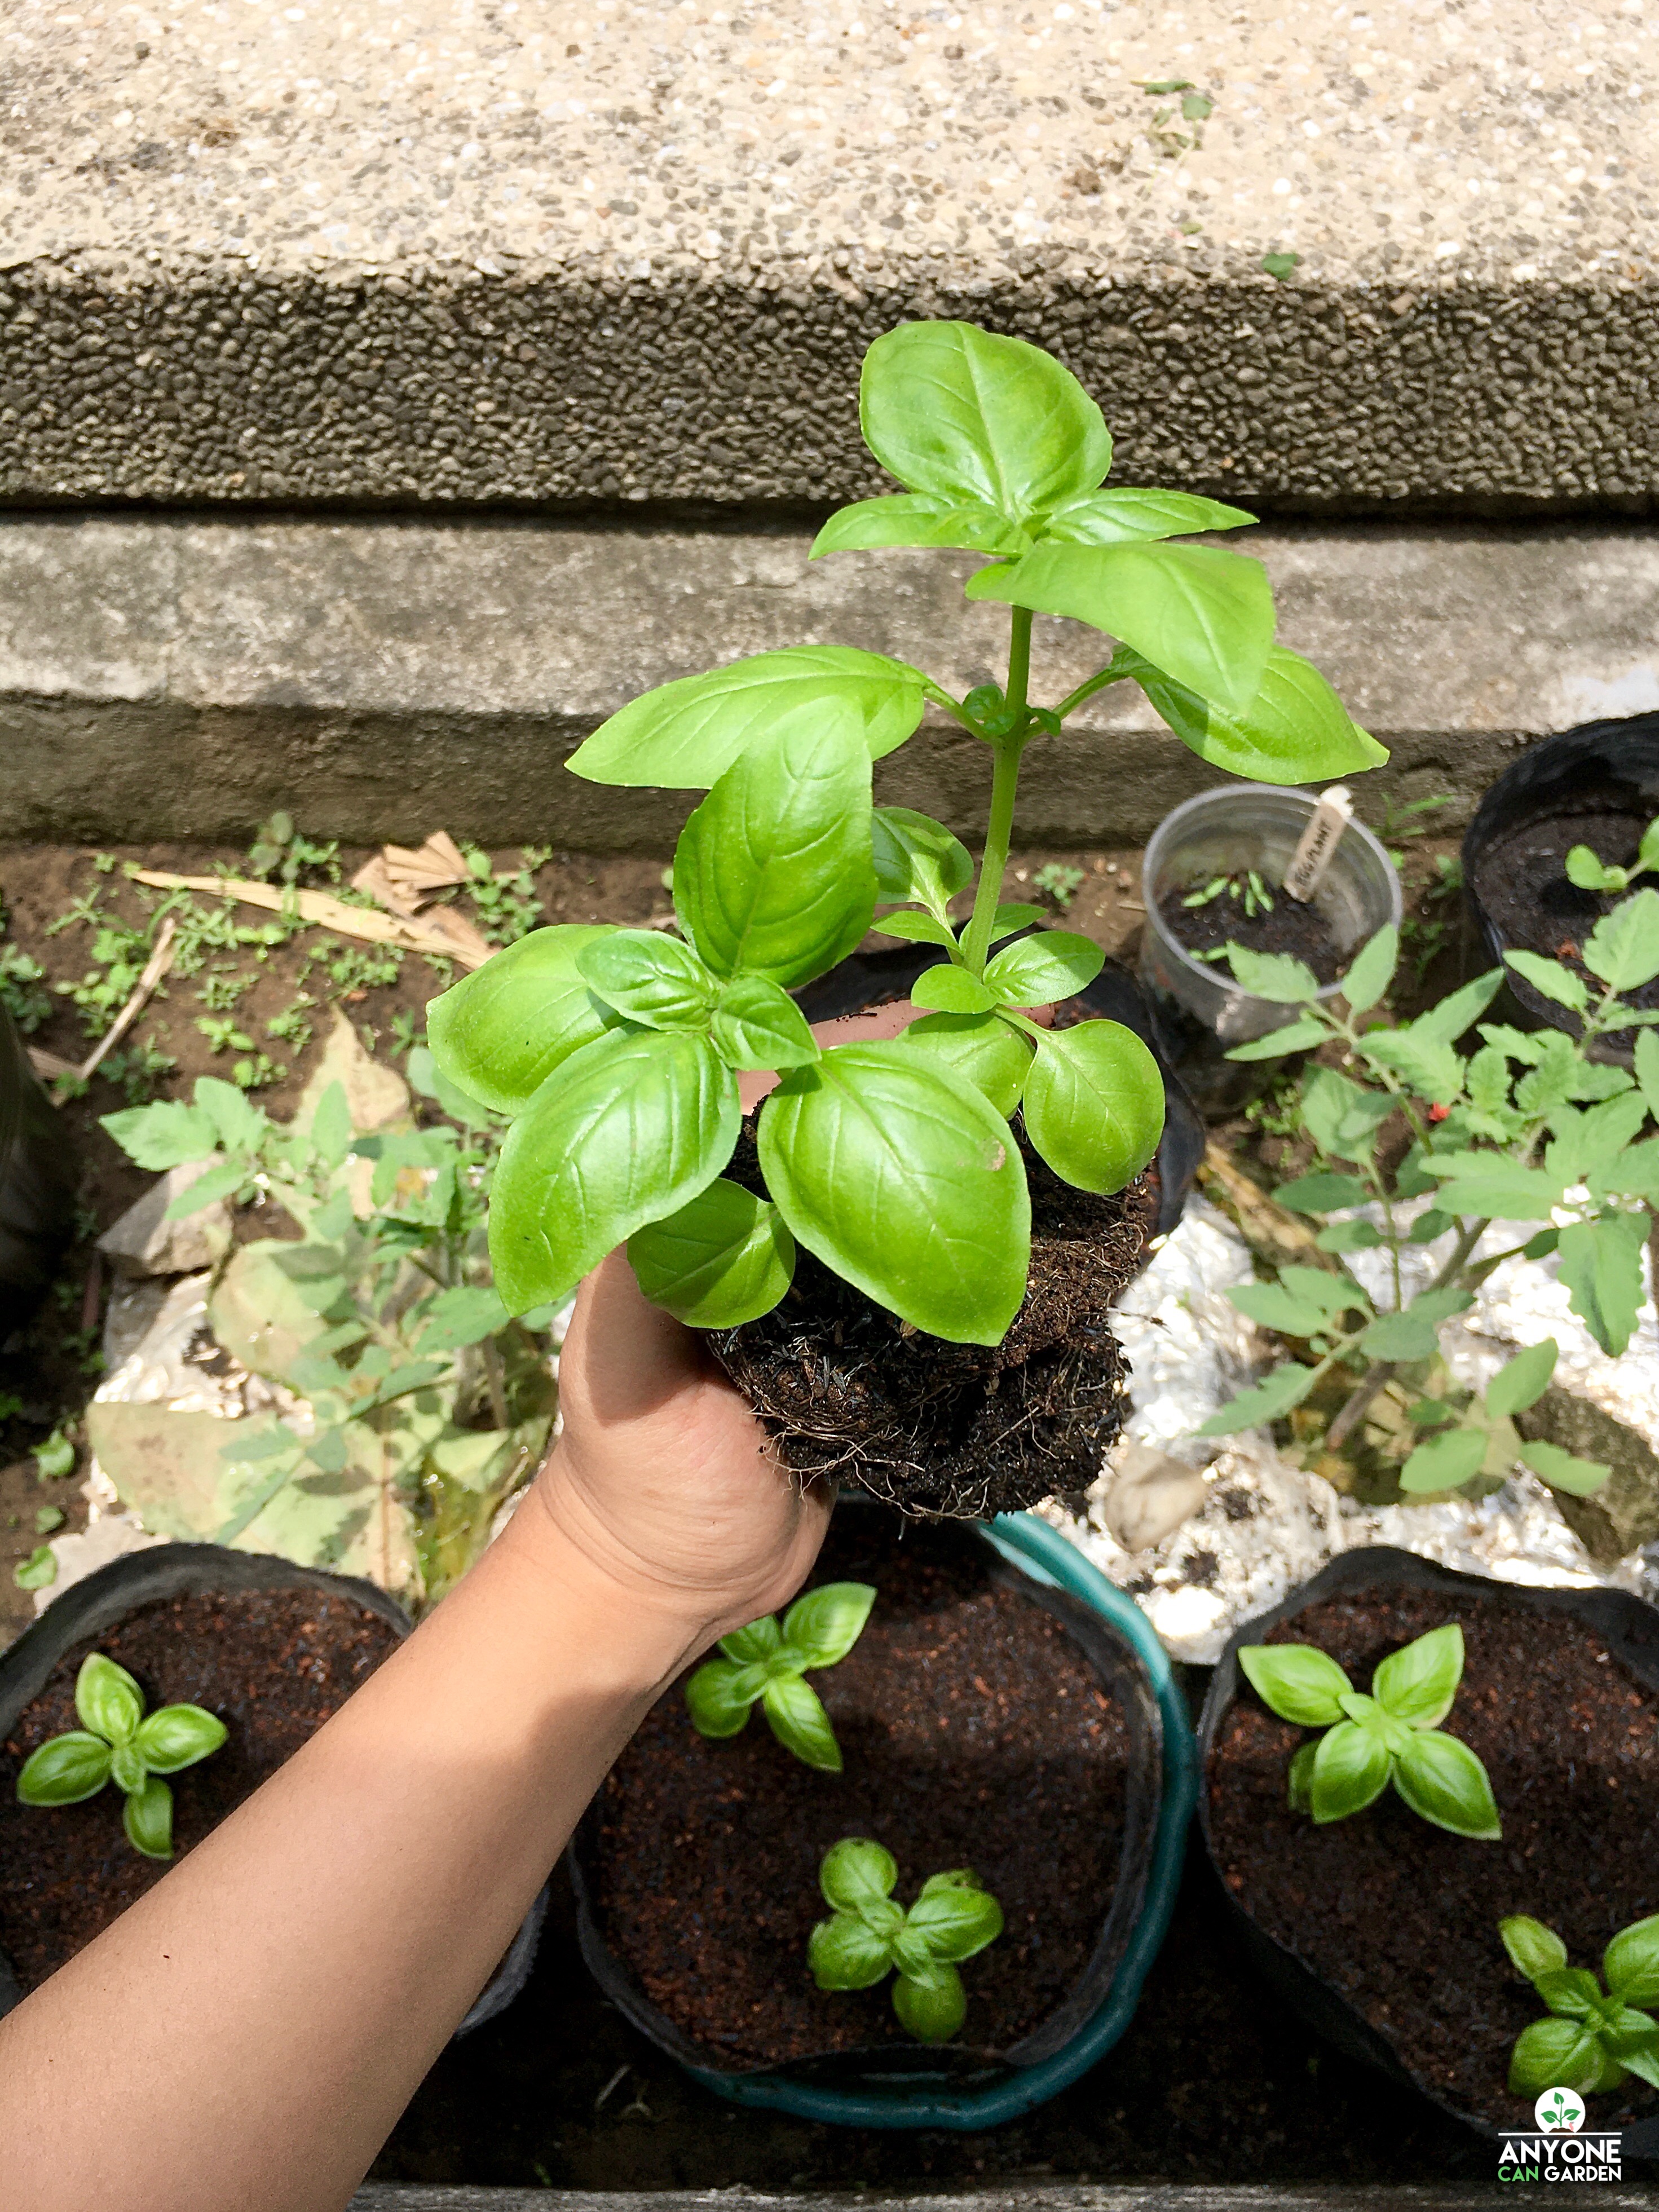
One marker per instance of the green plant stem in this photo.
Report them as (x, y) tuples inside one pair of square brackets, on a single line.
[(1004, 782), (1110, 674), (1380, 1371)]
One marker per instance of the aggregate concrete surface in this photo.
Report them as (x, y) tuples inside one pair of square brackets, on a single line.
[(547, 250)]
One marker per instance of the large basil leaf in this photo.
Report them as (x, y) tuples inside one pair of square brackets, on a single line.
[(758, 1025), (985, 1051), (773, 873), (685, 735), (952, 410), (917, 857), (1125, 517), (1295, 730), (625, 1133), (1037, 970), (650, 978), (902, 1178), (499, 1033), (1203, 615), (1094, 1104), (911, 518), (725, 1259)]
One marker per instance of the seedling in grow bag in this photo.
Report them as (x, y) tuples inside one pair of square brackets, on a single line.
[(870, 1936), (767, 1664), (1591, 874), (116, 1743), (1393, 1736), (1591, 2041), (618, 1051)]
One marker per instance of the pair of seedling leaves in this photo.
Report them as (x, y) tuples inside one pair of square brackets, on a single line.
[(1530, 1129), (118, 1742), (1391, 1736), (1591, 874), (1592, 2040), (870, 1935), (765, 1664)]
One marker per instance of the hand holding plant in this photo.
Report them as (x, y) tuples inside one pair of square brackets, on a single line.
[(870, 1936), (1591, 2041), (765, 1664), (1391, 1736), (116, 1742)]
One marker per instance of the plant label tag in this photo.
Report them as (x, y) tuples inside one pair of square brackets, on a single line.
[(1319, 842)]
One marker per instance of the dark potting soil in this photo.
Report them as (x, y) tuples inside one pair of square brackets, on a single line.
[(975, 1732), (1521, 878), (273, 1665), (1291, 926), (1401, 1916)]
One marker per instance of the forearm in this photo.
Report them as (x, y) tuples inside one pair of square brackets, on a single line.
[(275, 2001)]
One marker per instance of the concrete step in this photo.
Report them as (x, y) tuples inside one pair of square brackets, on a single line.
[(179, 678), (550, 255)]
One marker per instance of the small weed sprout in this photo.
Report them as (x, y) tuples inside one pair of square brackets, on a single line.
[(1392, 1735), (869, 1935), (765, 1664), (116, 1743), (1058, 881), (1590, 2042)]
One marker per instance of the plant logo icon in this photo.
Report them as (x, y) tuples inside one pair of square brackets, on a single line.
[(1559, 2112)]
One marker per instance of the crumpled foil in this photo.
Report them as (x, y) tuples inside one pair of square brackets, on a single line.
[(1265, 1524)]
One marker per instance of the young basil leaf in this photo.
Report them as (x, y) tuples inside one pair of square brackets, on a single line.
[(1272, 976), (1413, 1333), (1267, 1401), (1623, 948), (500, 1032), (757, 1025), (1371, 970), (167, 1134), (1123, 517), (952, 410), (1297, 1682), (1202, 616), (108, 1700), (1533, 1950), (843, 1954), (800, 1723), (1445, 1461), (760, 1641), (956, 1916), (1441, 1779), (1554, 2054), (685, 735), (1524, 1381), (900, 1176), (1578, 1478), (916, 928), (949, 990), (772, 873), (720, 1694), (1038, 970), (176, 1736), (917, 518), (1350, 1772), (1293, 729), (1570, 1992), (1417, 1683), (627, 1132), (1012, 917), (648, 977), (1094, 1104), (821, 1628), (932, 2011), (1601, 1264), (147, 1816), (1641, 2058), (1299, 1778), (856, 1875), (64, 1770), (725, 1259), (127, 1769), (1630, 1965), (1305, 1036), (983, 1050), (917, 859), (1564, 986)]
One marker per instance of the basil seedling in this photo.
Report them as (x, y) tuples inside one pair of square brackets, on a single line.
[(1590, 2041), (116, 1743), (870, 1936), (1393, 1736), (766, 1664), (1591, 874)]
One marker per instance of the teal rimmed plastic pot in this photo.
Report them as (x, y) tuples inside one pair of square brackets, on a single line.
[(908, 2085)]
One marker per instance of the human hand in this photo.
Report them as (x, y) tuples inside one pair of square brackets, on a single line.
[(662, 1480)]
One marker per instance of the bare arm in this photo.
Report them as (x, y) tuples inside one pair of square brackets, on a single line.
[(256, 2023)]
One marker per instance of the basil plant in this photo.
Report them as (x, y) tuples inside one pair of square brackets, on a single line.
[(765, 1664), (869, 1935), (1591, 2041), (118, 1742), (618, 1051)]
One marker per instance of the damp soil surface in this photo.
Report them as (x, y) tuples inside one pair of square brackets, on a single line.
[(976, 1732), (273, 1665), (1521, 878), (1402, 1918), (1291, 926)]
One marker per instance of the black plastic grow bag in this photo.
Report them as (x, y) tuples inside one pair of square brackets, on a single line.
[(37, 1184), (90, 1607), (1631, 1629)]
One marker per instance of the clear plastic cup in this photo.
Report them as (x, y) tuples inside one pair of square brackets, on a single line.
[(1200, 1012)]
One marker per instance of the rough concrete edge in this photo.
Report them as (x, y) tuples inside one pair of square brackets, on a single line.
[(1152, 2196)]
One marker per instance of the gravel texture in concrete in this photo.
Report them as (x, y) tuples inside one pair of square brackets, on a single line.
[(548, 250), (182, 679)]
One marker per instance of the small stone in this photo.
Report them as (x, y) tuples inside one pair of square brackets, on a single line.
[(1623, 1514), (143, 1241), (1153, 1494)]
